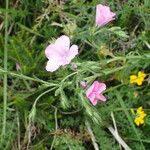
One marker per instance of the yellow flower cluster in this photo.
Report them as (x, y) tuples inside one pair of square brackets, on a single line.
[(140, 115), (138, 79)]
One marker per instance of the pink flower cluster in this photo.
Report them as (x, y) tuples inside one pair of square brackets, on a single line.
[(60, 53)]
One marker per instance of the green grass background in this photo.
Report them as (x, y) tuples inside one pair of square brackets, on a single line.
[(40, 110)]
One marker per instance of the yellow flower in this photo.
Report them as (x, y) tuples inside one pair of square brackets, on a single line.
[(138, 79), (140, 115), (143, 115), (141, 74), (133, 79), (139, 121), (139, 110)]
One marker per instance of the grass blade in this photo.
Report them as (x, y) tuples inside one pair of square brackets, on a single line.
[(119, 98), (5, 75)]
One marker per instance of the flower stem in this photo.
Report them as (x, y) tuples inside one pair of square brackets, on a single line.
[(21, 76), (5, 75)]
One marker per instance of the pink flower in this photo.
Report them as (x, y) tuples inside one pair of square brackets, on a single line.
[(18, 67), (83, 84), (94, 92), (103, 15), (60, 53)]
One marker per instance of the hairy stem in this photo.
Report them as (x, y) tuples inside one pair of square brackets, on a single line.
[(5, 75)]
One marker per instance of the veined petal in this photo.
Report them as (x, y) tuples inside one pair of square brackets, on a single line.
[(51, 51), (73, 52), (105, 10), (53, 65), (102, 87), (94, 102), (99, 87), (92, 99), (101, 97), (63, 44), (112, 15), (96, 86), (89, 90)]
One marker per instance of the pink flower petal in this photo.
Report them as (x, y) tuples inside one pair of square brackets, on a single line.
[(94, 102), (96, 86), (51, 51), (112, 15), (89, 90), (99, 87), (73, 52), (103, 10), (63, 44), (52, 65), (92, 98), (102, 87), (101, 97), (66, 59)]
